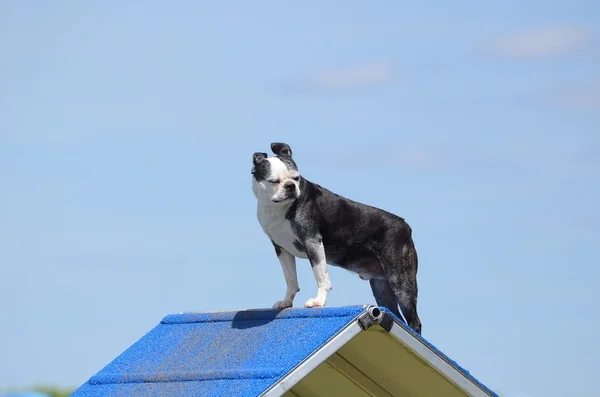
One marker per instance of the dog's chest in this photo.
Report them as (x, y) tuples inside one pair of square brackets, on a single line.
[(279, 229)]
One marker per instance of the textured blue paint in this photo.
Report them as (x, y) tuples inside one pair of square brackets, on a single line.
[(214, 354), (227, 353)]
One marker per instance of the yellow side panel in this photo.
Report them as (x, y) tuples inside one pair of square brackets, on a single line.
[(325, 380), (395, 368), (374, 364)]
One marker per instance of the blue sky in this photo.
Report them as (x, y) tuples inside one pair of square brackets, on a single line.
[(126, 135)]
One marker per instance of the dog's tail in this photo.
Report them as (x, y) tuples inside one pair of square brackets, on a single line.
[(408, 292), (400, 286)]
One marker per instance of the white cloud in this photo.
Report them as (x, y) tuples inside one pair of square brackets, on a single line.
[(560, 160), (366, 74), (421, 158), (540, 42), (580, 97)]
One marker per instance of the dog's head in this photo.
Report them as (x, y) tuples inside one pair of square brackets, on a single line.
[(276, 178)]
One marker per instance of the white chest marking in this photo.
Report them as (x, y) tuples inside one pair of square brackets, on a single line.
[(272, 219)]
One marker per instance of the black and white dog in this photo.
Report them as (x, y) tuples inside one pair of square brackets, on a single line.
[(305, 220)]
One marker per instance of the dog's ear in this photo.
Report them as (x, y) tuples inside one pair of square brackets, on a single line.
[(281, 149), (258, 157)]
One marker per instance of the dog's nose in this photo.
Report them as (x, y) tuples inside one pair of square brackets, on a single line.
[(289, 185)]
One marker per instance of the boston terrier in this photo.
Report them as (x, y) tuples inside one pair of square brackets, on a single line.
[(305, 220)]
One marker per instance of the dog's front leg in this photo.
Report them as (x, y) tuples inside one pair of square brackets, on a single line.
[(288, 265), (316, 255)]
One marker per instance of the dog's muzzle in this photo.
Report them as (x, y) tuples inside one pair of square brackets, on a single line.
[(287, 191)]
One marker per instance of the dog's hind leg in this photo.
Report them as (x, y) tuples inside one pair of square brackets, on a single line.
[(400, 267), (384, 295)]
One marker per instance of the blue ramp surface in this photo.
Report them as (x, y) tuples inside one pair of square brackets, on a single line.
[(219, 354)]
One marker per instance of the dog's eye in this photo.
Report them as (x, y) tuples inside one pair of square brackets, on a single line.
[(296, 178), (274, 182)]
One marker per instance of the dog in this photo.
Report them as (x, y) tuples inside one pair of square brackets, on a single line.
[(305, 220)]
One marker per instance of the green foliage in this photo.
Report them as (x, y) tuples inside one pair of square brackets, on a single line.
[(55, 391), (52, 391)]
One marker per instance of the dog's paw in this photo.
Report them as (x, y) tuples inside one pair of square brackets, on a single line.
[(279, 305), (315, 302)]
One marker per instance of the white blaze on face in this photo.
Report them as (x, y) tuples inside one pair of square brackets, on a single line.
[(279, 170), (281, 174)]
